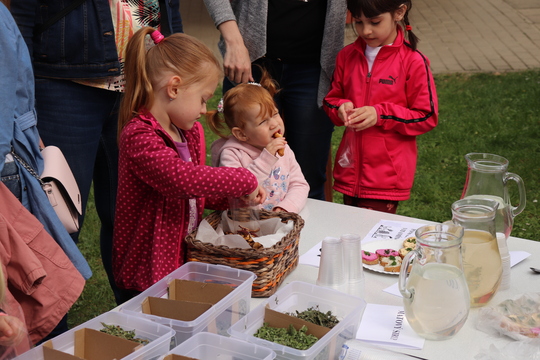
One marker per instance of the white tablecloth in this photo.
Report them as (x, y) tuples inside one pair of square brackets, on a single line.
[(329, 219)]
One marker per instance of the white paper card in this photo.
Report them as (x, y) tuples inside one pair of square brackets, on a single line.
[(518, 256), (386, 229), (312, 256), (387, 325), (393, 289)]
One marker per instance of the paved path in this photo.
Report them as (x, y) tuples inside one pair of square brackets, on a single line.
[(456, 35)]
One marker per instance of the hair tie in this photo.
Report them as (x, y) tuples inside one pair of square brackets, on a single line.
[(220, 106), (408, 27), (157, 37)]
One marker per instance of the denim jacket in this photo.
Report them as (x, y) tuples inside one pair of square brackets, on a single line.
[(80, 45), (18, 131)]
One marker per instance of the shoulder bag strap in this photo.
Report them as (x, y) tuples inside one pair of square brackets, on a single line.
[(26, 166), (50, 21)]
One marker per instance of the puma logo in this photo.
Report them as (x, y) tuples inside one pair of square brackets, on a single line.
[(391, 81)]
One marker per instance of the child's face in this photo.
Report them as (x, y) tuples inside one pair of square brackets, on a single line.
[(260, 130), (191, 102), (380, 30)]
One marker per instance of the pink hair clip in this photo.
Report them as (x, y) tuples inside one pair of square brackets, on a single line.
[(157, 37)]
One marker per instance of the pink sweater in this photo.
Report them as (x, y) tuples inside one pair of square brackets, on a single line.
[(281, 176)]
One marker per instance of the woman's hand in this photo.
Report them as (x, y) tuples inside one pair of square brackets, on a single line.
[(236, 62)]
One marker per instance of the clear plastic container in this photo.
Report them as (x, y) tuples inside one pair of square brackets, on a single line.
[(160, 336), (219, 317), (299, 296), (206, 345)]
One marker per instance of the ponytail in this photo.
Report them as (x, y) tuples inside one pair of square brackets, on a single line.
[(216, 123), (413, 39), (138, 90), (180, 54)]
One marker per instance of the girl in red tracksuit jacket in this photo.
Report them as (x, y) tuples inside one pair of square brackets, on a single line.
[(163, 183), (383, 92)]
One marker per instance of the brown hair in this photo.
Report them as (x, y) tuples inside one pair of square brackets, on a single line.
[(180, 54), (372, 8), (238, 100)]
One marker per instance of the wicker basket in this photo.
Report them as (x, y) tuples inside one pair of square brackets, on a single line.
[(271, 265)]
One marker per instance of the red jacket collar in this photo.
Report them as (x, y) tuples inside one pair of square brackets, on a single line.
[(360, 44)]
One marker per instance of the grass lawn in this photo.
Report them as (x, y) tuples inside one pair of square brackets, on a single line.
[(494, 113)]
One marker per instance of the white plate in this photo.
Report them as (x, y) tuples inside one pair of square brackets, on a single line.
[(373, 246)]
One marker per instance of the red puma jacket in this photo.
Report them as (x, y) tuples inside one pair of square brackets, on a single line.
[(401, 88)]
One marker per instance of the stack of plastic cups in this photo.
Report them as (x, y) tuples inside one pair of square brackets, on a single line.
[(331, 270), (352, 263), (505, 258)]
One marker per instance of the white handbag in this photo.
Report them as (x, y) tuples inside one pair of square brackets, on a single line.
[(60, 185)]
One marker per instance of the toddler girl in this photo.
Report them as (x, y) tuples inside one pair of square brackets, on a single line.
[(257, 144), (163, 181)]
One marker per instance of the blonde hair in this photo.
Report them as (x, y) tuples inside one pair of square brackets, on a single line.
[(179, 54), (238, 100)]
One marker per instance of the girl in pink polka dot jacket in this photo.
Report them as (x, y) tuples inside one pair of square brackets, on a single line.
[(164, 184)]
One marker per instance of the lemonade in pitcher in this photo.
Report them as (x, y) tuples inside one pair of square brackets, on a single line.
[(440, 304), (481, 257), (482, 265), (435, 293)]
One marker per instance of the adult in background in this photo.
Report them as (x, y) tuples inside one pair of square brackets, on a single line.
[(297, 42), (78, 55)]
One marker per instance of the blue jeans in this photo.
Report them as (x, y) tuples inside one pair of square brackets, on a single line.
[(307, 127), (10, 177), (82, 121)]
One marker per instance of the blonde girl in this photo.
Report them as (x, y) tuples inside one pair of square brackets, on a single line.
[(252, 136), (164, 184)]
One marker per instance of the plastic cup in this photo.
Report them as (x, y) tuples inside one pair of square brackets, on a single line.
[(331, 272), (352, 263)]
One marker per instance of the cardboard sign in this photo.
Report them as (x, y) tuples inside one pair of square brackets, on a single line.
[(174, 309), (90, 344), (198, 291), (187, 300), (281, 320), (177, 357)]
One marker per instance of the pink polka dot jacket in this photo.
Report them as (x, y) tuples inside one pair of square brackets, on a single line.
[(152, 206)]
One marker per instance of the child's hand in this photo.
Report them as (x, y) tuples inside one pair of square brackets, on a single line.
[(12, 330), (344, 111), (257, 197), (275, 145), (362, 118)]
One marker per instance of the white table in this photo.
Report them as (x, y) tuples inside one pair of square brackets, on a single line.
[(329, 219)]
